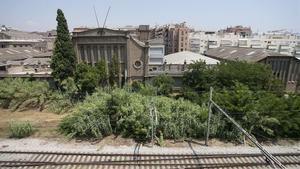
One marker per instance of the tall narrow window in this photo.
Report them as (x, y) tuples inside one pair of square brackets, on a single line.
[(95, 52), (109, 54), (82, 55), (102, 52), (89, 54)]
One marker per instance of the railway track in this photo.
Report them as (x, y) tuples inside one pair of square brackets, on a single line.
[(15, 159)]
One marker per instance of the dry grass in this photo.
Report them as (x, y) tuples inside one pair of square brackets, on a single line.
[(45, 122)]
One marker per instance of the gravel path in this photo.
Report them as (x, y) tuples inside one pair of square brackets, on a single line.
[(34, 144)]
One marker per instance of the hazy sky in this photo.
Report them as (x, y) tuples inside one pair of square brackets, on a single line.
[(261, 15)]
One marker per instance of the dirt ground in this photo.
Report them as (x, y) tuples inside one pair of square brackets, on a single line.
[(45, 123)]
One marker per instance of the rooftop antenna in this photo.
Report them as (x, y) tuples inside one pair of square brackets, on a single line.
[(96, 16), (106, 17)]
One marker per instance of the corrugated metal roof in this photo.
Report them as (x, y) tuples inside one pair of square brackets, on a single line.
[(20, 53), (243, 54)]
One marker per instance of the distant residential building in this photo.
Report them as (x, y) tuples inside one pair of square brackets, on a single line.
[(175, 37), (142, 32), (282, 42), (238, 30), (200, 41), (284, 67), (93, 45)]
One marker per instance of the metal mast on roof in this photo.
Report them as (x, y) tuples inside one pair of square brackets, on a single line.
[(96, 16), (106, 17)]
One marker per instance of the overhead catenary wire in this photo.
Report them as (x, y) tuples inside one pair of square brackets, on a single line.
[(273, 161)]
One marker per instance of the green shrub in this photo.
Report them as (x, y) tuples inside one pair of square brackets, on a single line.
[(22, 94), (86, 125), (148, 90), (129, 114), (143, 89), (59, 103), (20, 129), (160, 140), (180, 118), (89, 118), (164, 84), (126, 113)]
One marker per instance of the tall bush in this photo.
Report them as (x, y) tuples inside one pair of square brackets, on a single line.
[(164, 84), (21, 94), (89, 118), (128, 114)]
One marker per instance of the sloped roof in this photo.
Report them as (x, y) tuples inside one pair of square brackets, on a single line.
[(188, 57), (20, 53), (138, 41), (99, 31), (16, 34), (242, 54), (36, 61), (28, 61)]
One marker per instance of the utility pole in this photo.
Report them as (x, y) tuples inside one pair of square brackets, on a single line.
[(209, 115)]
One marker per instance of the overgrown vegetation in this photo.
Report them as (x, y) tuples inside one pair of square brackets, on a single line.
[(250, 94), (263, 111), (20, 129), (163, 84), (22, 94), (126, 113)]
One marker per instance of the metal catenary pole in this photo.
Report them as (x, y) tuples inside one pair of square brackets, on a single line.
[(269, 156), (209, 115)]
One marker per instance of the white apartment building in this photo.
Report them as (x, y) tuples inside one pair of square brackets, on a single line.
[(282, 42)]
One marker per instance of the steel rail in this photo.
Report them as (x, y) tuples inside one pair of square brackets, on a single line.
[(205, 165), (164, 155), (187, 157)]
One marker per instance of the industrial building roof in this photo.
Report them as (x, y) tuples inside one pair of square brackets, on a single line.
[(20, 53), (15, 34), (188, 57), (241, 53)]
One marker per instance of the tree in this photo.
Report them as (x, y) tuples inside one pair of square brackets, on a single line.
[(114, 70), (63, 62), (253, 111), (290, 117), (199, 77), (163, 84), (102, 72), (256, 76), (86, 79)]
